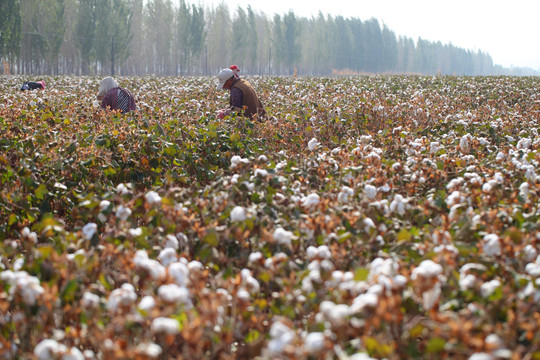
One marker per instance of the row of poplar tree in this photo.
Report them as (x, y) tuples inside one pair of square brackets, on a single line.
[(161, 37)]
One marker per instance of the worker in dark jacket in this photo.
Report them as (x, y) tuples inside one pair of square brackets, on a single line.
[(243, 100), (114, 97), (33, 85)]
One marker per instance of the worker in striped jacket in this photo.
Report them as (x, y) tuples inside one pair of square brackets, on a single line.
[(114, 97)]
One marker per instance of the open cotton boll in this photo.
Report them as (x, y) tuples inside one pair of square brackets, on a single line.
[(344, 194), (489, 287), (360, 356), (90, 301), (370, 191), (491, 245), (165, 325), (237, 160), (123, 212), (238, 213), (282, 236), (147, 303), (27, 286), (281, 336), (152, 198), (48, 349), (167, 256), (152, 267), (174, 294), (310, 201), (150, 350), (171, 242), (426, 269), (314, 342), (89, 230), (312, 144), (121, 297), (179, 272)]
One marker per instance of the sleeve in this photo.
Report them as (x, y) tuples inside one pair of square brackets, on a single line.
[(237, 96)]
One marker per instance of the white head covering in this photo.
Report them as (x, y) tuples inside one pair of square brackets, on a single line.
[(104, 86), (223, 76)]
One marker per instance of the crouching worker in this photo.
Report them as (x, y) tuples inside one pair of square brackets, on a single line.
[(243, 98), (33, 85), (114, 97)]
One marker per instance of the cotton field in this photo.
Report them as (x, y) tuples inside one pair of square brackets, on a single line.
[(383, 217)]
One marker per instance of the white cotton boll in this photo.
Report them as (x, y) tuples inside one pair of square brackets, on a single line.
[(368, 225), (152, 198), (27, 286), (90, 301), (312, 252), (500, 156), (370, 191), (492, 245), (237, 160), (73, 354), (481, 356), (467, 282), (249, 281), (453, 199), (493, 341), (135, 232), (238, 213), (262, 158), (165, 325), (122, 189), (524, 189), (426, 269), (152, 267), (314, 342), (345, 193), (147, 303), (171, 242), (373, 156), (398, 205), (434, 147), (104, 205), (530, 174), (363, 302), (524, 143), (243, 295), (167, 256), (89, 230), (261, 173), (123, 212), (533, 268), (530, 253), (174, 294), (48, 349), (179, 272), (281, 336), (255, 257), (310, 201), (282, 236), (464, 143), (95, 103), (489, 287), (150, 350), (19, 263), (195, 266), (360, 356), (121, 297), (312, 144)]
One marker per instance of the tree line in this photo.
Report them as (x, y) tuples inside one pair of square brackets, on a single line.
[(164, 38)]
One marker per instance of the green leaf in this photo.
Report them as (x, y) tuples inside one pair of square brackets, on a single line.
[(252, 336), (435, 345), (41, 191), (211, 238), (361, 274), (68, 293)]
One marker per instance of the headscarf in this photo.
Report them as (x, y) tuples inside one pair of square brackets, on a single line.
[(104, 86)]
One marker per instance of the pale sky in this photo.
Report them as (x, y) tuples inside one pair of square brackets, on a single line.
[(508, 30)]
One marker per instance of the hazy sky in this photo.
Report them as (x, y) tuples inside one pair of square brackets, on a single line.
[(508, 30)]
